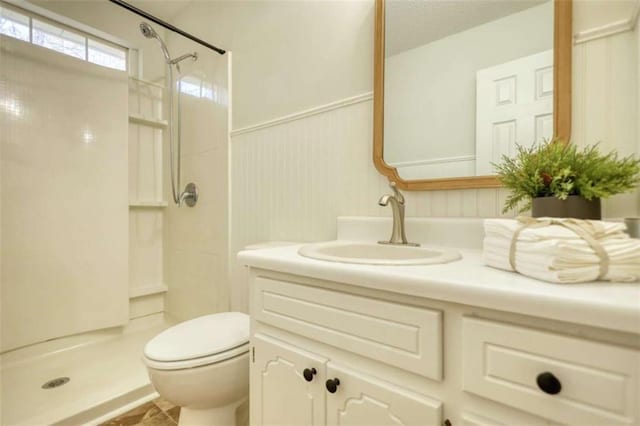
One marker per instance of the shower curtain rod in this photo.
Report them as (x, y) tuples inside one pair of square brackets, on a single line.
[(166, 25)]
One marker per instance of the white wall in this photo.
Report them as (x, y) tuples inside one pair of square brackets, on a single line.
[(288, 55), (430, 91)]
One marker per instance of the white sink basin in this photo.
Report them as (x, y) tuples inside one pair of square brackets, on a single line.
[(377, 254)]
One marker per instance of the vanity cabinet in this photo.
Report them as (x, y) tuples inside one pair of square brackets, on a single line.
[(285, 384), (364, 400), (326, 352), (295, 386), (290, 386)]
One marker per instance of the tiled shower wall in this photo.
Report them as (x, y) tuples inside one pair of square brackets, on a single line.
[(290, 180), (196, 245), (63, 209)]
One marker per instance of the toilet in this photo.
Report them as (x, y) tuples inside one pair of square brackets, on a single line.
[(202, 365)]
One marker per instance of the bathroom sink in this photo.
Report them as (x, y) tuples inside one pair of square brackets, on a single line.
[(377, 254)]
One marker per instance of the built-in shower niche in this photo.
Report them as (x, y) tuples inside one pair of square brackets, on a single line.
[(147, 200)]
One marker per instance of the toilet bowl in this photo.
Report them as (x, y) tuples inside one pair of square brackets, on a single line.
[(202, 365)]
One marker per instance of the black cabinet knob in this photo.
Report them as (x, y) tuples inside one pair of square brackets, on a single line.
[(548, 383), (308, 374), (332, 385)]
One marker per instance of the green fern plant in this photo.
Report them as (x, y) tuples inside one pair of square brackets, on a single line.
[(555, 169)]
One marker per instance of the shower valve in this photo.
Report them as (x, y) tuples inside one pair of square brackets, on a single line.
[(190, 195)]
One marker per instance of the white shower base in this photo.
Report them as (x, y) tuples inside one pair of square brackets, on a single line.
[(105, 368)]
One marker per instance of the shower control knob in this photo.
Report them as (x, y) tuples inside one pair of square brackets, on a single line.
[(308, 374), (548, 383), (332, 385), (190, 195)]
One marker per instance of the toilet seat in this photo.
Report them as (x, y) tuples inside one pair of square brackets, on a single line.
[(197, 362), (201, 341)]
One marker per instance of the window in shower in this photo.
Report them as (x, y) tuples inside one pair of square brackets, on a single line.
[(56, 36), (58, 39), (106, 55), (14, 24), (190, 86), (199, 88)]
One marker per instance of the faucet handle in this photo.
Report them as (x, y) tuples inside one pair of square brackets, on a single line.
[(396, 192)]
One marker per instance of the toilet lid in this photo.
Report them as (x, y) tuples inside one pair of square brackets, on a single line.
[(200, 337)]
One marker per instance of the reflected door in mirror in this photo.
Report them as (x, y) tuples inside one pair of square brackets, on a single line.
[(463, 82)]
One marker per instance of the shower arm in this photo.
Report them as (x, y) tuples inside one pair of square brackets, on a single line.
[(181, 58)]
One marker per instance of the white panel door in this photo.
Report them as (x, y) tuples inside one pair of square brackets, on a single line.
[(280, 395), (514, 105), (366, 401)]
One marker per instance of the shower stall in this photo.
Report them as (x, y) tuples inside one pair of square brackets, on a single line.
[(101, 245)]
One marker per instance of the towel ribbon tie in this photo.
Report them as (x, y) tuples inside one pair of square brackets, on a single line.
[(589, 231)]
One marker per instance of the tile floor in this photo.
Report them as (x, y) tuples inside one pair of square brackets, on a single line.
[(155, 413)]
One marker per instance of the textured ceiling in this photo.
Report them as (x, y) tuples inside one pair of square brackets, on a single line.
[(412, 23)]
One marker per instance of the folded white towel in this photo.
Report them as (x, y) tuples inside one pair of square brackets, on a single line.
[(557, 254), (506, 228), (562, 262)]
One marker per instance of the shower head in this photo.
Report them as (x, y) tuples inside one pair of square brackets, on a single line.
[(148, 31)]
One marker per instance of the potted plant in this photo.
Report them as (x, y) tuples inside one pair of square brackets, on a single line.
[(559, 180)]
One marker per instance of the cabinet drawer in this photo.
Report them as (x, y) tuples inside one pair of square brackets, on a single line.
[(598, 383), (395, 334)]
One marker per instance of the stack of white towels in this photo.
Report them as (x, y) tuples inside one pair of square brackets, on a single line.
[(547, 250)]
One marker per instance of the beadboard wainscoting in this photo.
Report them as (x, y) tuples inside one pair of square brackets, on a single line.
[(606, 92), (291, 178)]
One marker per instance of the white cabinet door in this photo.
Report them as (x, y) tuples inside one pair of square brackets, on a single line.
[(514, 105), (280, 395), (367, 401)]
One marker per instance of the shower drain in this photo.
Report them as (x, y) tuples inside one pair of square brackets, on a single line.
[(54, 383)]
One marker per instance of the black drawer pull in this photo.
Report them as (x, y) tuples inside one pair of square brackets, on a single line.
[(332, 385), (548, 383), (308, 374)]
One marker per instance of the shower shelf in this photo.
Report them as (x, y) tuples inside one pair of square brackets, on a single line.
[(148, 204), (147, 290), (151, 122), (146, 82)]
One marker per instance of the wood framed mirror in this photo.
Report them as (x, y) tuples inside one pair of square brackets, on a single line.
[(491, 83)]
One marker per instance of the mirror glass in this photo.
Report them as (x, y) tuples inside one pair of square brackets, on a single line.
[(464, 82)]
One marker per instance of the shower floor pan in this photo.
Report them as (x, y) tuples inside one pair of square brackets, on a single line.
[(106, 375)]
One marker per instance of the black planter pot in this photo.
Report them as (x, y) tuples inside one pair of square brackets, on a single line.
[(574, 206)]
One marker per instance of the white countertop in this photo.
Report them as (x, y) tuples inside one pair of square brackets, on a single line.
[(468, 281)]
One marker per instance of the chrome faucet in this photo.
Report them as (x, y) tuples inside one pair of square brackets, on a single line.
[(396, 200)]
